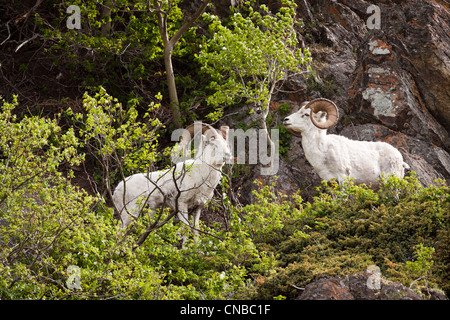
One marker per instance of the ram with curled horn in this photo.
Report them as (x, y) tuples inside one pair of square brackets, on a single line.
[(186, 187), (335, 156)]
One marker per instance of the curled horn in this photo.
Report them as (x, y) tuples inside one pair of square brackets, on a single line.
[(188, 134), (327, 106), (180, 151), (224, 130), (194, 128)]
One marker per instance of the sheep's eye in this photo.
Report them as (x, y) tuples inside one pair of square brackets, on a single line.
[(305, 115)]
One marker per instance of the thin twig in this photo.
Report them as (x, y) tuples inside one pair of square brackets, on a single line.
[(9, 33)]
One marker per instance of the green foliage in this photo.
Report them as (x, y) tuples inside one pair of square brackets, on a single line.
[(45, 223), (127, 58), (423, 263), (248, 57), (115, 137), (135, 28), (285, 140), (49, 227), (31, 149), (349, 227), (263, 219)]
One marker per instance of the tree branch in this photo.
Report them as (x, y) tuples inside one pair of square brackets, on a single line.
[(189, 23), (162, 21)]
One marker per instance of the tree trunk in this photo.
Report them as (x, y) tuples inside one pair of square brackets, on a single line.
[(174, 104), (169, 44), (106, 13)]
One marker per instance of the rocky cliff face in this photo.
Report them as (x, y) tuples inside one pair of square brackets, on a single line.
[(391, 84)]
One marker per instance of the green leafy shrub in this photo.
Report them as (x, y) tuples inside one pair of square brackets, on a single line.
[(263, 219), (422, 264), (118, 46), (248, 57), (349, 227), (57, 242), (48, 225), (115, 138)]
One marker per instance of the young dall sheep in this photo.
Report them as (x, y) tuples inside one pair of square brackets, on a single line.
[(186, 187), (334, 156)]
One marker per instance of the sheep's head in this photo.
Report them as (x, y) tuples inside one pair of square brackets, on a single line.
[(214, 147), (321, 113)]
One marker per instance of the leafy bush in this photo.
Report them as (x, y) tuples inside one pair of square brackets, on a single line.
[(48, 225), (57, 242), (114, 137), (348, 227), (118, 46), (249, 57)]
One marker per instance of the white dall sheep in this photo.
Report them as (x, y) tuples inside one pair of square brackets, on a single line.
[(186, 187), (334, 156)]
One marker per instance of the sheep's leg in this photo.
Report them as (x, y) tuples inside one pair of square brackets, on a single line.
[(197, 213), (183, 216), (131, 210), (125, 219), (125, 214)]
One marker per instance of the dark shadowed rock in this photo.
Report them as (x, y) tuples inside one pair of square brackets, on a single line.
[(327, 288)]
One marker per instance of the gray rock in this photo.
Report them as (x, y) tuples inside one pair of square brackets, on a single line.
[(357, 287)]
